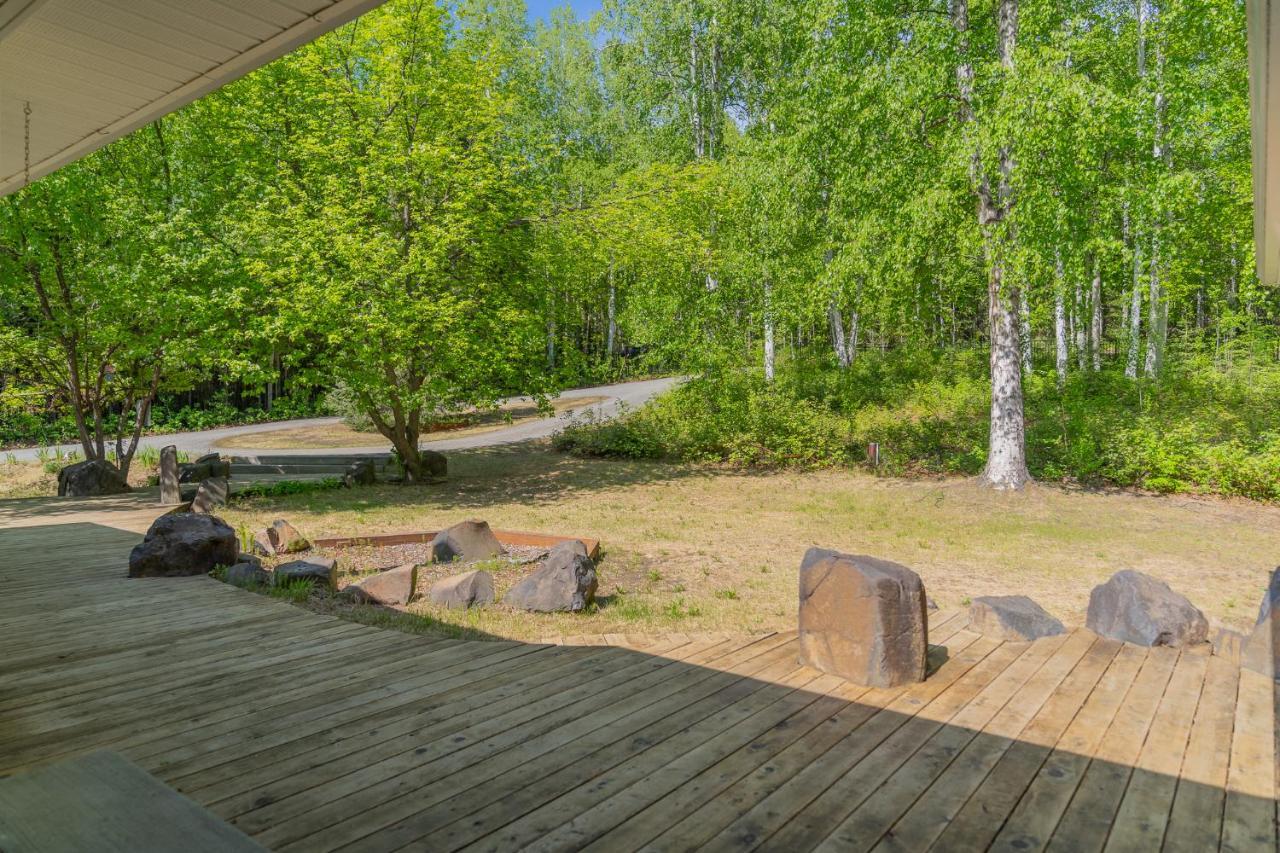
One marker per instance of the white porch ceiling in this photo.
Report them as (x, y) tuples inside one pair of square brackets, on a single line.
[(1264, 97), (95, 70)]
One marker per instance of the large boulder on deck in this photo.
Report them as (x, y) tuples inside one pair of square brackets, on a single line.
[(460, 592), (90, 478), (1262, 650), (1137, 608), (466, 540), (1012, 618), (862, 619), (389, 586), (284, 538), (183, 544), (323, 570), (566, 582)]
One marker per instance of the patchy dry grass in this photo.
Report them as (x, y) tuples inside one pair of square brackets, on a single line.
[(31, 480), (703, 549), (340, 435)]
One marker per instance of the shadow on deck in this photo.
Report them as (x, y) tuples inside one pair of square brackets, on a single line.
[(311, 733)]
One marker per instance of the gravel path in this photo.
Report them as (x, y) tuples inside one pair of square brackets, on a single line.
[(631, 394)]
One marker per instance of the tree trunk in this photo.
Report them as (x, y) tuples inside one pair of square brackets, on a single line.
[(768, 331), (1095, 325), (1135, 310), (1155, 342), (838, 341), (1006, 457), (611, 343), (1060, 326), (1080, 330)]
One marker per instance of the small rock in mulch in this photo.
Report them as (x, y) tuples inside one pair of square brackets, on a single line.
[(248, 574), (1137, 608), (466, 540), (460, 592), (320, 569), (1012, 618), (285, 538), (390, 586)]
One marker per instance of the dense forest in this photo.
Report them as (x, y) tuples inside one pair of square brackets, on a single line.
[(993, 237)]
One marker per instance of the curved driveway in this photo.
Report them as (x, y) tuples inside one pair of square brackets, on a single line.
[(629, 394)]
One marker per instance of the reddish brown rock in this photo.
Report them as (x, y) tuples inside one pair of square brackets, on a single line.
[(1137, 608), (389, 586), (285, 538), (460, 592), (862, 618)]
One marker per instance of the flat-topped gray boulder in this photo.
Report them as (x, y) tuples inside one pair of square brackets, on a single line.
[(284, 538), (389, 586), (184, 544), (466, 540), (1012, 618), (212, 494), (460, 592), (360, 473), (170, 493), (862, 618), (1137, 608), (209, 465), (248, 574), (1261, 650), (91, 478), (566, 582), (319, 569)]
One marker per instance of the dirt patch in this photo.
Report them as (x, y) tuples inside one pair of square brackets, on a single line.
[(329, 436)]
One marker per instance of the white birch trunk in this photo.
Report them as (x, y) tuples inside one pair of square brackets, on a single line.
[(768, 331), (612, 333), (1095, 325), (1060, 326), (839, 343)]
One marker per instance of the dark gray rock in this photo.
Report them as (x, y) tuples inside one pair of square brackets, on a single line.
[(862, 618), (572, 546), (434, 463), (566, 582), (207, 458), (211, 495), (183, 544), (207, 466), (460, 592), (466, 540), (252, 559), (170, 493), (91, 478), (323, 570), (360, 473), (1136, 608), (248, 574), (389, 586), (1261, 652), (284, 538), (1013, 618)]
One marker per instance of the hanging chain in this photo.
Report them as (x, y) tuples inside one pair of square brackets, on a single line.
[(26, 154)]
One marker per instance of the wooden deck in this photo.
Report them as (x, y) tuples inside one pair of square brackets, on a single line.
[(313, 734)]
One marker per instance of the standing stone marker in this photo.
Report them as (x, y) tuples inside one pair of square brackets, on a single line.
[(170, 493), (1261, 651), (862, 619)]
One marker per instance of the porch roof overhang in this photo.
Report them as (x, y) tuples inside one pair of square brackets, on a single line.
[(95, 70), (1264, 98)]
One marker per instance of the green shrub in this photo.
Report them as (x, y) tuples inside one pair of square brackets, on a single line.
[(1206, 426)]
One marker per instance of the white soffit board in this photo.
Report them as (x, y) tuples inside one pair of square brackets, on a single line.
[(1264, 98), (95, 70)]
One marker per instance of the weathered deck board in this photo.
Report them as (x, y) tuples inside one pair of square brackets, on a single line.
[(310, 733)]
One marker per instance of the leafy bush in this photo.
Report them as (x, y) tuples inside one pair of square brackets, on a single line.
[(1203, 427)]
